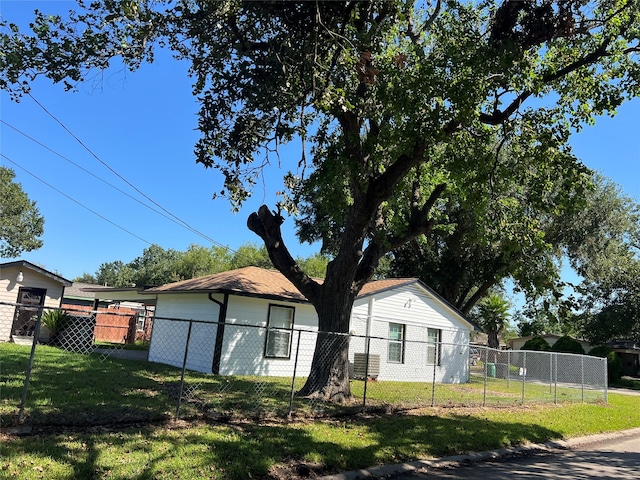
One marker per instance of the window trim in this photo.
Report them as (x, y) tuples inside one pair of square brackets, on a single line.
[(401, 342), (437, 346), (279, 329)]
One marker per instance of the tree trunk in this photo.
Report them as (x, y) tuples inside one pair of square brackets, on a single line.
[(329, 375)]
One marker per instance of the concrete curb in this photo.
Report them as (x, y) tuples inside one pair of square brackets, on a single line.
[(384, 471)]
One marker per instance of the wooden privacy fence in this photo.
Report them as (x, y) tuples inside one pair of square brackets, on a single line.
[(116, 325)]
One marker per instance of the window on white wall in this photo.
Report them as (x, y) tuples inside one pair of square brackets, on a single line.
[(279, 327), (434, 337), (396, 343)]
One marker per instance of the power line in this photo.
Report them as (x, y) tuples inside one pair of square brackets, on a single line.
[(178, 219), (182, 224), (74, 200)]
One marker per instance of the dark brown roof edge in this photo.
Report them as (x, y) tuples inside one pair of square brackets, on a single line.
[(31, 266)]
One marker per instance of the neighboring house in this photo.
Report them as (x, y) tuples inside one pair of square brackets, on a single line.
[(415, 335), (80, 294), (629, 353), (551, 338), (27, 284)]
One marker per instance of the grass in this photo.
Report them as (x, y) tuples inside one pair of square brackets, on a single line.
[(247, 450), (104, 411), (138, 345)]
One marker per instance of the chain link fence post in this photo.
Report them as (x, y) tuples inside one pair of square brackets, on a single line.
[(433, 379), (184, 367), (524, 372), (508, 367), (27, 377), (293, 377), (366, 373), (582, 376), (555, 392), (485, 368), (606, 380)]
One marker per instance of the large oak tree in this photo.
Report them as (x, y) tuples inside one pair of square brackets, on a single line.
[(377, 91)]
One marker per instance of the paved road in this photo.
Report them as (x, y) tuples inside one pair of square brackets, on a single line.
[(613, 458)]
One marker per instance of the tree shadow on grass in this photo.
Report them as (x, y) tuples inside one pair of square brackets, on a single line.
[(252, 451)]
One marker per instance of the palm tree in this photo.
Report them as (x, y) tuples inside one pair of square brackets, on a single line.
[(493, 314)]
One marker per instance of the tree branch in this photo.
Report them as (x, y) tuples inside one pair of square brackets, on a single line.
[(267, 226), (498, 117)]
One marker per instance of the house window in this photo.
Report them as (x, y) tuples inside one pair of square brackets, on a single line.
[(279, 327), (434, 337), (396, 343)]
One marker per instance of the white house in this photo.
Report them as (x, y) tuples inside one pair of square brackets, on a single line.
[(253, 321), (27, 284)]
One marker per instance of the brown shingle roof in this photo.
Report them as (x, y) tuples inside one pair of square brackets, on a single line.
[(252, 281), (260, 282)]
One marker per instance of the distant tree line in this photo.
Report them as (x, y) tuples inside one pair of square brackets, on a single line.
[(158, 266)]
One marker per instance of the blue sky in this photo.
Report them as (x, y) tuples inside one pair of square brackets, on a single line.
[(142, 125)]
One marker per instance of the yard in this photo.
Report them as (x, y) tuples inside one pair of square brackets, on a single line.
[(108, 418)]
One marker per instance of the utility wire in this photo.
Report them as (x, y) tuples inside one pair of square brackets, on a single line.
[(182, 224), (74, 200), (178, 220), (117, 174)]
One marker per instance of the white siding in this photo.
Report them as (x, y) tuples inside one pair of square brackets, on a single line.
[(415, 308), (9, 287), (244, 344), (244, 335), (243, 349), (169, 337)]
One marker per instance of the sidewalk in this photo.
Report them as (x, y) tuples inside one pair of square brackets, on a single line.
[(387, 471)]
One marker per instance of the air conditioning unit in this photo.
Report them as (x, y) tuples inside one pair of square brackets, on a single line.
[(360, 365)]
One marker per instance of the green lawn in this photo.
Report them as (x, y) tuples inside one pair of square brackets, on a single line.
[(112, 419), (251, 450)]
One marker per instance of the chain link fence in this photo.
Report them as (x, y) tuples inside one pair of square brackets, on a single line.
[(199, 369)]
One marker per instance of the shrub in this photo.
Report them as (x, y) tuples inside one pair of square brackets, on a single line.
[(537, 344), (55, 321), (614, 362), (568, 344)]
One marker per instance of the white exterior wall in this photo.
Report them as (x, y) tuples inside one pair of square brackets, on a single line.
[(169, 337), (244, 335), (244, 345), (243, 351), (413, 307), (9, 288)]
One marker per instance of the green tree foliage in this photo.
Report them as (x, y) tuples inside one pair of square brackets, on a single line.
[(158, 266), (315, 265), (614, 362), (537, 344), (21, 224), (115, 274), (198, 261), (250, 254), (609, 262), (383, 94), (567, 344), (86, 278)]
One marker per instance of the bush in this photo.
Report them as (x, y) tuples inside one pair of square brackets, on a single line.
[(567, 344), (55, 321), (537, 344), (614, 362)]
